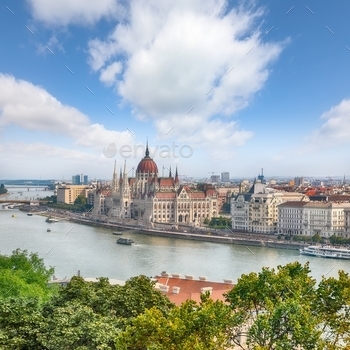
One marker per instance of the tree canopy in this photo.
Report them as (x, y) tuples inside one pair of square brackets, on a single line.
[(274, 309), (25, 275)]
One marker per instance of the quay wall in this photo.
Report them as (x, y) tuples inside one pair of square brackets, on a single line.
[(194, 236)]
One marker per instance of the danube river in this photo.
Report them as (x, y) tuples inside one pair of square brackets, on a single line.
[(70, 247)]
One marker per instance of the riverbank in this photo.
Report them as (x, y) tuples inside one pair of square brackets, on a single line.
[(225, 237), (229, 238)]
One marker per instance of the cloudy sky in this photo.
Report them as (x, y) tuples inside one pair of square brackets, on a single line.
[(213, 85)]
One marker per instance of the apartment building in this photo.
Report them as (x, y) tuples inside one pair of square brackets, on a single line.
[(257, 210), (323, 218), (69, 193)]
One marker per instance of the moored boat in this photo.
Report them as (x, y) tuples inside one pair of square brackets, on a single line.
[(125, 241), (29, 214), (326, 252), (118, 233), (51, 220)]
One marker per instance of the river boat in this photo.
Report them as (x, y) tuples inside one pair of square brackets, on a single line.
[(326, 252), (125, 241), (29, 214), (51, 220), (118, 233), (48, 230)]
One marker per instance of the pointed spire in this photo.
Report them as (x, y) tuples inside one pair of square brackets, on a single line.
[(115, 178), (170, 171), (147, 151), (125, 181), (176, 176), (120, 176)]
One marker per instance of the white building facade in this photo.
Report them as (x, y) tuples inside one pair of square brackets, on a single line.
[(309, 219), (257, 210)]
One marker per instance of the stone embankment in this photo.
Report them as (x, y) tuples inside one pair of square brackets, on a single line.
[(229, 238)]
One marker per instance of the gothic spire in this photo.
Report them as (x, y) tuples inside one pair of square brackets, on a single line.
[(170, 171), (176, 176), (147, 151), (115, 178)]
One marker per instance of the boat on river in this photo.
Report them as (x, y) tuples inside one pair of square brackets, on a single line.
[(30, 214), (125, 241), (51, 220), (117, 233), (326, 252)]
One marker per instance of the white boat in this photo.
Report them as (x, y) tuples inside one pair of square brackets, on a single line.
[(326, 252)]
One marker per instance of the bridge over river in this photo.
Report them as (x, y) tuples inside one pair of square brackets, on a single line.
[(22, 201)]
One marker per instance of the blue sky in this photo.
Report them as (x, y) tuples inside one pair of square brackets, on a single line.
[(214, 86)]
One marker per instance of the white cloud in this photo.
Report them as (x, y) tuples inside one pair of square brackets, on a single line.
[(335, 130), (33, 108), (173, 53), (64, 12), (108, 75)]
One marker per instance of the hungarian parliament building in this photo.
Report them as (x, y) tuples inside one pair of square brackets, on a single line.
[(151, 199)]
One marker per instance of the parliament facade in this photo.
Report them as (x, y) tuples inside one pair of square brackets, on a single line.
[(151, 199)]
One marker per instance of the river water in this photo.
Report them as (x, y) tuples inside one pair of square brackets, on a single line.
[(70, 247)]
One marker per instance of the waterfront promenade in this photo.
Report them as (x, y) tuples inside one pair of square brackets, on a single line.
[(198, 234), (184, 232)]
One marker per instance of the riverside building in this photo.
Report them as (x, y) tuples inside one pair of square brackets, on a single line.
[(151, 199), (323, 218), (257, 210)]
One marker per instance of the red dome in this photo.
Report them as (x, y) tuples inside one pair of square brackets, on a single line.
[(147, 165)]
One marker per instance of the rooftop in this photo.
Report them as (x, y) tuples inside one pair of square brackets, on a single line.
[(179, 289)]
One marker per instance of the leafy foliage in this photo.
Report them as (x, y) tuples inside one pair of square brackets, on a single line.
[(277, 309), (23, 274), (201, 326), (220, 222), (337, 240)]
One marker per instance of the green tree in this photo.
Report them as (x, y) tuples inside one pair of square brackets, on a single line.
[(80, 201), (316, 238), (274, 309), (77, 326), (203, 326), (332, 304), (21, 322), (23, 274)]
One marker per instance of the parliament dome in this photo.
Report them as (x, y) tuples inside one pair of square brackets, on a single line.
[(147, 165)]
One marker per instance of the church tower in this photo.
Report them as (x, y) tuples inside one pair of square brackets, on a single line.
[(115, 183), (126, 197)]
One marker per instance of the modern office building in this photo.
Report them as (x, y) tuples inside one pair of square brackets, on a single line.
[(225, 176), (80, 179)]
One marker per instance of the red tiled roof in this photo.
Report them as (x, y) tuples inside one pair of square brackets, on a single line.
[(195, 195), (191, 289), (166, 182), (164, 195)]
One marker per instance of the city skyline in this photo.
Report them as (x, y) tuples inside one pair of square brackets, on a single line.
[(234, 86)]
